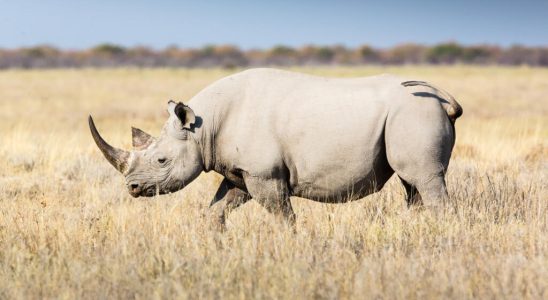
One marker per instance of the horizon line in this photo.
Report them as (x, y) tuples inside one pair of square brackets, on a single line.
[(276, 45)]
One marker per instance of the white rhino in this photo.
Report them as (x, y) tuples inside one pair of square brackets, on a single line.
[(273, 134)]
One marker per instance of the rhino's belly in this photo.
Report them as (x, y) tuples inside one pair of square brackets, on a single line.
[(339, 187)]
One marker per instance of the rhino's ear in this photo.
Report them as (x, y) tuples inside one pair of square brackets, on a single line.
[(184, 113), (140, 139)]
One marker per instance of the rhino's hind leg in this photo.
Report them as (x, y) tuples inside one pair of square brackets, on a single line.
[(429, 191), (413, 197), (227, 198), (433, 191), (424, 174), (272, 194)]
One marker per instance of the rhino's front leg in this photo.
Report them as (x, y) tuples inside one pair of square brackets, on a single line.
[(227, 198), (273, 194)]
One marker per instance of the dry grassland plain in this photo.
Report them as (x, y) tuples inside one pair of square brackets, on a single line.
[(69, 229)]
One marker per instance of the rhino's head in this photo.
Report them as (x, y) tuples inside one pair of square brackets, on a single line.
[(158, 165)]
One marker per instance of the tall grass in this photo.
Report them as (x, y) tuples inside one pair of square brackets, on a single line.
[(69, 229)]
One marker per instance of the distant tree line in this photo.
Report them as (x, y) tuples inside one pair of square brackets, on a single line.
[(108, 55)]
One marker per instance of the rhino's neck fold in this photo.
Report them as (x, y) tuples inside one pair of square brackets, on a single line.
[(208, 155), (205, 138)]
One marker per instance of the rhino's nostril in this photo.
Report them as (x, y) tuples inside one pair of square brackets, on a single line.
[(134, 186)]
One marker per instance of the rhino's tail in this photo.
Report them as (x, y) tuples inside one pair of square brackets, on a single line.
[(454, 110)]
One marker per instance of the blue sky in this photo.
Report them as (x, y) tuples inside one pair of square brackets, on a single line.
[(260, 24)]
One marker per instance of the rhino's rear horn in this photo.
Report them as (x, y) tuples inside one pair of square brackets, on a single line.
[(140, 139), (117, 157)]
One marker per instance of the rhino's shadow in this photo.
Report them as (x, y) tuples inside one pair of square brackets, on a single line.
[(197, 122), (426, 94)]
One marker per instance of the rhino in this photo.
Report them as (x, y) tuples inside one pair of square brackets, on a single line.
[(273, 134)]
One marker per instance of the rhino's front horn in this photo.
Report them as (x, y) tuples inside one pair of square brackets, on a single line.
[(117, 157)]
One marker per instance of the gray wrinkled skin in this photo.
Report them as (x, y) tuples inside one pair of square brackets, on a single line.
[(274, 134)]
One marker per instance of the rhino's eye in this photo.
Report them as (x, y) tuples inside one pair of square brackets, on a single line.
[(161, 160)]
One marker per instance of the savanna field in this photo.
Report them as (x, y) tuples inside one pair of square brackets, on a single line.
[(69, 229)]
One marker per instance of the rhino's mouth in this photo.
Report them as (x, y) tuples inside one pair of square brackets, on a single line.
[(149, 192), (154, 191)]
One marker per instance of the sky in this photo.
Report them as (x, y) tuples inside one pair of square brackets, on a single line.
[(81, 24)]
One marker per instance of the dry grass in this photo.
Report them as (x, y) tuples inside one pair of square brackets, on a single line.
[(68, 228)]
